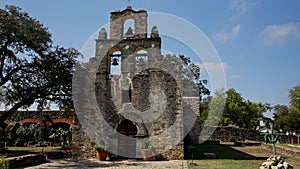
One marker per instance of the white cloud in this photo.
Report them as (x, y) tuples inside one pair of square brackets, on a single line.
[(213, 66), (241, 7), (235, 77), (278, 34), (225, 36), (236, 29)]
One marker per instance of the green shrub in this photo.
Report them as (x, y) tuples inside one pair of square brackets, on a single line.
[(4, 164), (100, 147), (147, 145)]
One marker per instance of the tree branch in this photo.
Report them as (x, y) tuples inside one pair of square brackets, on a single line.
[(12, 110)]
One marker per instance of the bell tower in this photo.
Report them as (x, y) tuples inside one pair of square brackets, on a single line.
[(128, 89), (129, 48), (117, 20)]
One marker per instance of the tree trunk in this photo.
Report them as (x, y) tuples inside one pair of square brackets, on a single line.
[(6, 114)]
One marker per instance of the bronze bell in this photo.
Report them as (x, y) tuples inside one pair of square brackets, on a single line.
[(115, 62), (129, 32), (141, 62)]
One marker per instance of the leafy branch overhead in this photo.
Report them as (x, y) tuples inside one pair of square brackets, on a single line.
[(32, 69), (192, 85)]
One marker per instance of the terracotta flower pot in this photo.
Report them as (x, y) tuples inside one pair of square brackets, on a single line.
[(67, 148), (101, 155), (146, 154)]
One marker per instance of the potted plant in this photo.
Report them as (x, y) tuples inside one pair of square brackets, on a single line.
[(101, 151), (147, 150)]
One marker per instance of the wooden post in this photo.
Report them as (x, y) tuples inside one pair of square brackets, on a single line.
[(272, 136)]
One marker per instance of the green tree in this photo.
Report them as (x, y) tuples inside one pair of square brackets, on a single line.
[(28, 132), (239, 111), (265, 106), (204, 108), (294, 109), (194, 77), (287, 118), (286, 121), (60, 135), (253, 113), (281, 118), (216, 108), (233, 108), (32, 69), (294, 96), (192, 84)]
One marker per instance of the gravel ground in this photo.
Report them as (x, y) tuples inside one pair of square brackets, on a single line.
[(120, 164)]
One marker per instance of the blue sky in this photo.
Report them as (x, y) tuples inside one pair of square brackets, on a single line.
[(258, 41)]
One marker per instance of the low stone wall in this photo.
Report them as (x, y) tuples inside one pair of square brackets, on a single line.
[(226, 134), (232, 134), (26, 160)]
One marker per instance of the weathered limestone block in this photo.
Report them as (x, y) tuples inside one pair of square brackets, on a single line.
[(275, 162)]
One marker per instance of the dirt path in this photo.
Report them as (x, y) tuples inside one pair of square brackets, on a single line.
[(120, 164), (265, 151)]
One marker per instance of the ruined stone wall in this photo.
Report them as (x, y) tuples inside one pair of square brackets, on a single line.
[(165, 131), (155, 105), (161, 128), (226, 134), (140, 100), (82, 146), (192, 124), (39, 116)]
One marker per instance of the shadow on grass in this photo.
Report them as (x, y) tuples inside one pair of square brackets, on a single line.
[(10, 153), (221, 152), (20, 151)]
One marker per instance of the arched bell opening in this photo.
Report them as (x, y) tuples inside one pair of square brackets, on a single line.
[(141, 60), (115, 61), (129, 28)]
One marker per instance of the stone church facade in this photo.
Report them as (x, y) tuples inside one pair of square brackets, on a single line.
[(142, 100)]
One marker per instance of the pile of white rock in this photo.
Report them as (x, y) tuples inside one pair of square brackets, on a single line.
[(275, 162)]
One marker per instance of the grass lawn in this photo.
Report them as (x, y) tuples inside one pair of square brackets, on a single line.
[(226, 164), (229, 156)]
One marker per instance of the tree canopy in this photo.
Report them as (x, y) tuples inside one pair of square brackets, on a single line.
[(287, 118), (192, 84), (32, 68), (236, 111), (294, 96)]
